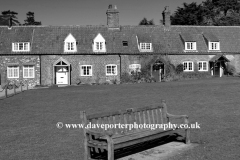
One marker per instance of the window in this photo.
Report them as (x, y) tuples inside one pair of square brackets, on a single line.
[(135, 68), (111, 69), (188, 66), (13, 72), (21, 46), (86, 70), (190, 46), (146, 46), (203, 66), (99, 44), (70, 44), (214, 46), (125, 43), (28, 71)]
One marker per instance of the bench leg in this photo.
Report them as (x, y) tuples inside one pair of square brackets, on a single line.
[(187, 136), (87, 151), (110, 149)]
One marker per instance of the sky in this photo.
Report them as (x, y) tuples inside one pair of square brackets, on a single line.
[(90, 12)]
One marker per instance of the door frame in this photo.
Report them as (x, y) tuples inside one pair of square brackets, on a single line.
[(61, 63)]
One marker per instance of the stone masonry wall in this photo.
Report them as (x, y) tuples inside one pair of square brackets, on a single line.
[(20, 61)]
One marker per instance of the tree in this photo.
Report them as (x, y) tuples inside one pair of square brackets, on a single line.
[(9, 18), (189, 14), (209, 12), (144, 21), (31, 20)]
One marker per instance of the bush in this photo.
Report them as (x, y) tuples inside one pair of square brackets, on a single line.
[(179, 68), (231, 70)]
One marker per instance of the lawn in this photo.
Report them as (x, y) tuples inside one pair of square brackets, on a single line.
[(28, 120)]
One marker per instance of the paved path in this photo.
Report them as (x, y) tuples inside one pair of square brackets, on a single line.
[(161, 152)]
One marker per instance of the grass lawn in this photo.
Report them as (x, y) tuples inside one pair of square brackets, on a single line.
[(28, 120)]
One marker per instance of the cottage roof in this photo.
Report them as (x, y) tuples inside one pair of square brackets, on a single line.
[(50, 39)]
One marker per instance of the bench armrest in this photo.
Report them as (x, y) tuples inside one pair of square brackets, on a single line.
[(100, 134), (184, 117), (176, 116)]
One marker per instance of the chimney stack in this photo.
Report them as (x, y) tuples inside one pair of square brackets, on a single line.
[(112, 17), (166, 18)]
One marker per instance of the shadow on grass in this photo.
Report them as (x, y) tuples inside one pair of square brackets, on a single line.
[(123, 152)]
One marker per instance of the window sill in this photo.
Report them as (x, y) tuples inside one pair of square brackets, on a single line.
[(141, 50), (214, 51), (190, 51), (99, 51), (86, 75)]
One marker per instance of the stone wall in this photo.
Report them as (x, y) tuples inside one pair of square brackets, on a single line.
[(20, 61)]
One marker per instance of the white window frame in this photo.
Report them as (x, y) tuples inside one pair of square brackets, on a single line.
[(29, 68), (188, 66), (70, 44), (82, 70), (70, 47), (190, 46), (214, 46), (21, 46), (135, 67), (99, 44), (115, 70), (146, 47), (12, 69), (200, 66)]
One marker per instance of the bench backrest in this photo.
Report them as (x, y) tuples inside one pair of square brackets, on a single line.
[(147, 115)]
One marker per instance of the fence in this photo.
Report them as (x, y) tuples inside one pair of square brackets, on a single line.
[(10, 89)]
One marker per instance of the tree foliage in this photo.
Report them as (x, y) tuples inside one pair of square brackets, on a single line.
[(31, 20), (189, 14), (9, 18), (209, 12), (144, 21)]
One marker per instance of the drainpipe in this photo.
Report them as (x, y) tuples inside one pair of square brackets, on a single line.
[(120, 70)]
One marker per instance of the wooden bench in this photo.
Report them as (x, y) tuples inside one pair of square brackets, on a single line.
[(98, 139)]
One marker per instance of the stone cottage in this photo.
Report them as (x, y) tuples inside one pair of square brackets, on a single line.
[(66, 55)]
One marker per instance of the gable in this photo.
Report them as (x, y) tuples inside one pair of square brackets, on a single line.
[(70, 38), (99, 38)]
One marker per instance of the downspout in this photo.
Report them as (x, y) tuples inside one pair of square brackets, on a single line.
[(120, 70)]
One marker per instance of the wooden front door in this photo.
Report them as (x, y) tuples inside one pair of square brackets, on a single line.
[(62, 75)]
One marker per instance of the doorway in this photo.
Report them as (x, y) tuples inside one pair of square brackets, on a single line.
[(61, 70)]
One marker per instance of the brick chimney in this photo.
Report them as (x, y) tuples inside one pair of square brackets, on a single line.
[(112, 16), (166, 18)]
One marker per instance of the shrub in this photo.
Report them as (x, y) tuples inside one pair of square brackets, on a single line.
[(179, 68), (231, 70)]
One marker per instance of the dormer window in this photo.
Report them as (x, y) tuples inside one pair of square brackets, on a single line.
[(214, 46), (70, 44), (21, 47), (99, 44), (145, 46), (190, 46)]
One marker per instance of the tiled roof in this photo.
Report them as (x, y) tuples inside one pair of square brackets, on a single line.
[(50, 39)]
